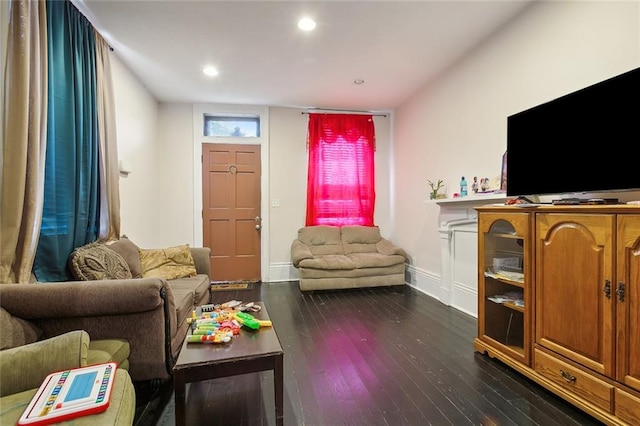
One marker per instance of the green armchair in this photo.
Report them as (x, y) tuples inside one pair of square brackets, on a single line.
[(24, 363)]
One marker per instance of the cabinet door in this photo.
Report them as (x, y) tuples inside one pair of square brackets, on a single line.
[(628, 300), (627, 407), (574, 266), (504, 248)]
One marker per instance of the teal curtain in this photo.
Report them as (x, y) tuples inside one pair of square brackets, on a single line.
[(71, 214)]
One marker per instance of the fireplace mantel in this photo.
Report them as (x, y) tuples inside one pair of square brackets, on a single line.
[(458, 247)]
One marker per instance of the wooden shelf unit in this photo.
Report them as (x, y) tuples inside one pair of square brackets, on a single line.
[(504, 326), (577, 333)]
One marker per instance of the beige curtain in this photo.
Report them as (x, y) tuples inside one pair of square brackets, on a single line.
[(23, 139), (109, 173)]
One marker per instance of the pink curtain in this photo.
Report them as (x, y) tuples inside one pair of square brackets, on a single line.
[(341, 172)]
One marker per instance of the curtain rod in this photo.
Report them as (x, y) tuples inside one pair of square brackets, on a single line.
[(329, 111)]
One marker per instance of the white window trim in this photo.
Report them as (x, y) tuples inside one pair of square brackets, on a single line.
[(229, 115)]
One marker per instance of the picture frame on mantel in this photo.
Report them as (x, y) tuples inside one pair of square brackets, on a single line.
[(503, 173)]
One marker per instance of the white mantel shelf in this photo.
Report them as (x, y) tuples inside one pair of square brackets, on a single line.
[(491, 198)]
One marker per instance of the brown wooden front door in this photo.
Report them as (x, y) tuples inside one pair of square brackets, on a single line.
[(231, 210)]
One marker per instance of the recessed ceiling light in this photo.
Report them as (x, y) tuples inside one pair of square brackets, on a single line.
[(358, 81), (306, 24), (210, 71)]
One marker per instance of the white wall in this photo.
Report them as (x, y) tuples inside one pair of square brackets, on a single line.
[(174, 174), (288, 181), (457, 125), (137, 131)]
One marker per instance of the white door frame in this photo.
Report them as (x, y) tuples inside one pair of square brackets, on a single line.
[(199, 110)]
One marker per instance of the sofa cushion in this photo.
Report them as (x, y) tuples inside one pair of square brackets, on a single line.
[(199, 286), (188, 293), (130, 253), (375, 260), (321, 239), (328, 262), (169, 263), (360, 239), (308, 273), (108, 350), (95, 261), (24, 367), (15, 331), (184, 304)]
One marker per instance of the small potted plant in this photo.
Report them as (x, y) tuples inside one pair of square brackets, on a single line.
[(435, 188)]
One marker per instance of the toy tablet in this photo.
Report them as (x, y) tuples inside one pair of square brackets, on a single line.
[(71, 393)]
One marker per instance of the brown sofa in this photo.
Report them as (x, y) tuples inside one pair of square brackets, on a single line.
[(150, 313), (331, 257)]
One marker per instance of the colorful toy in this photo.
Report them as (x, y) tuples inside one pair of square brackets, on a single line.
[(218, 324), (230, 304), (232, 326), (250, 321), (68, 394), (216, 337), (204, 332), (248, 307)]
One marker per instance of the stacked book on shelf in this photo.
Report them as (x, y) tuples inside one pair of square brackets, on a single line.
[(514, 297), (505, 275)]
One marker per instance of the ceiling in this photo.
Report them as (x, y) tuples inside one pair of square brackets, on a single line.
[(396, 47)]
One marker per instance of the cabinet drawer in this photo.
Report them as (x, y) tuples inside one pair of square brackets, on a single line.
[(575, 381), (627, 407)]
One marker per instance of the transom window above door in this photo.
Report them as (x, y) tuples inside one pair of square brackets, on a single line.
[(232, 126)]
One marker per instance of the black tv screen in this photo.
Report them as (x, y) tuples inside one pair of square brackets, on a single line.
[(583, 142)]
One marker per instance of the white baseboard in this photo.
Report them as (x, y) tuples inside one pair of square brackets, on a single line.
[(465, 299), (282, 271), (423, 281)]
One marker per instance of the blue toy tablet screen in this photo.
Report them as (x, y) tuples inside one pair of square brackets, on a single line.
[(81, 386)]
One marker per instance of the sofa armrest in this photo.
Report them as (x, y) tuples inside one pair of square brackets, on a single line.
[(25, 367), (202, 259), (82, 298), (140, 310), (299, 252), (385, 246)]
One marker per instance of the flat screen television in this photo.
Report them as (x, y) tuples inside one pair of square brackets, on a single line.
[(580, 143)]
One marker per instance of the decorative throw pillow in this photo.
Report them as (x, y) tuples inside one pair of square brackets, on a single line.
[(95, 261), (169, 263), (15, 331), (130, 253)]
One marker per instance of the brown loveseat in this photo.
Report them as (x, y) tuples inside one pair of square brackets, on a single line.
[(150, 313), (331, 257)]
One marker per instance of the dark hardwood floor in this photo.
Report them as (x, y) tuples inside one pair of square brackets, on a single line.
[(381, 356)]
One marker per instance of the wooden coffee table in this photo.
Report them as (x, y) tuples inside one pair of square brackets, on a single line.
[(249, 352)]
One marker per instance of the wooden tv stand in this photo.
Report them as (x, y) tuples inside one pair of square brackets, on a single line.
[(571, 321)]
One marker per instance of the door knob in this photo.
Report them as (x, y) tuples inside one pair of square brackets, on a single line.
[(258, 227), (620, 291), (607, 289)]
